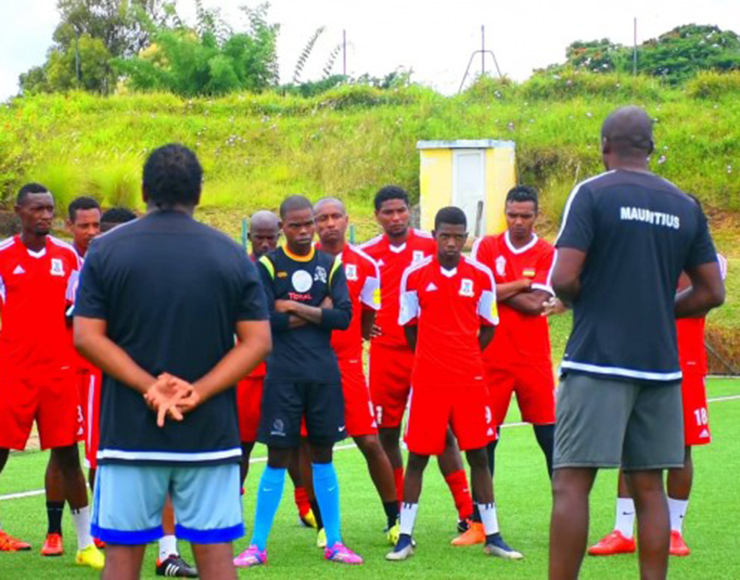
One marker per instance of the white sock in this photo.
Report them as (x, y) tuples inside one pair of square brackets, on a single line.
[(488, 517), (408, 517), (625, 518), (81, 518), (677, 509), (167, 547)]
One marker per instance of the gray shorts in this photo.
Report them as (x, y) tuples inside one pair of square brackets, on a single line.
[(603, 422)]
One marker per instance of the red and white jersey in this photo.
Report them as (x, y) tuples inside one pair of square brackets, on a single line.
[(692, 352), (449, 307), (36, 288), (80, 361), (520, 338), (363, 283), (392, 262)]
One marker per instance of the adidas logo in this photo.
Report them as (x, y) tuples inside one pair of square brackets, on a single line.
[(704, 434), (432, 287), (19, 270), (381, 262), (489, 433)]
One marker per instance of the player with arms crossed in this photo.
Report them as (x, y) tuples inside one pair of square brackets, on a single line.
[(692, 355), (448, 311), (391, 359), (38, 275), (363, 281), (307, 297)]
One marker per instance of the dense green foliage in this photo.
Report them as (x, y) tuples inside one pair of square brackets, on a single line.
[(675, 56)]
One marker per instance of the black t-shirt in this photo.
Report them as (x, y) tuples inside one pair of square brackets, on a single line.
[(171, 290), (639, 232), (304, 354)]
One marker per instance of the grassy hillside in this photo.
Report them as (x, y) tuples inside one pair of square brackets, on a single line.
[(258, 148)]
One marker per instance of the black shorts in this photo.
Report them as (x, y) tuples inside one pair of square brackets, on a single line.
[(285, 404)]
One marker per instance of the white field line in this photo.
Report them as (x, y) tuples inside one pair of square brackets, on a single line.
[(36, 492)]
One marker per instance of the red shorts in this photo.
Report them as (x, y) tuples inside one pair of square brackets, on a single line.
[(535, 393), (52, 400), (89, 384), (434, 408), (248, 404), (358, 408), (695, 415), (390, 383)]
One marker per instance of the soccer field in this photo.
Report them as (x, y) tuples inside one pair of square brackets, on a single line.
[(522, 494)]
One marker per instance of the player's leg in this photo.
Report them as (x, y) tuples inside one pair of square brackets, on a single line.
[(246, 454), (501, 383), (390, 439), (209, 515), (304, 463), (54, 488), (653, 524), (169, 562), (300, 493), (679, 483), (325, 423), (545, 435), (535, 395), (123, 562), (9, 543), (621, 539), (452, 469), (382, 475), (412, 484)]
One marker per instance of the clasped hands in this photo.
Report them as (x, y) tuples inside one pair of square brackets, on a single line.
[(171, 396)]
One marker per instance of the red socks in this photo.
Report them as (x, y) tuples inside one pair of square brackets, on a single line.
[(458, 484), (301, 500), (398, 477)]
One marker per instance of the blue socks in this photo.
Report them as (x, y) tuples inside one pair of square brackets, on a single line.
[(268, 499), (326, 488)]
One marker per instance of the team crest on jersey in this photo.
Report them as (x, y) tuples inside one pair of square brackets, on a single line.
[(351, 271), (417, 256), (500, 265), (57, 267), (466, 287), (320, 274), (301, 281), (528, 272)]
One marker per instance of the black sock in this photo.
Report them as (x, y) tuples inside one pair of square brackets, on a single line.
[(476, 514), (391, 512), (545, 435), (491, 452), (54, 511), (317, 513)]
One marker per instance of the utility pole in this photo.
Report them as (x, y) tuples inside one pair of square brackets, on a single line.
[(634, 48), (482, 51), (344, 52), (77, 55)]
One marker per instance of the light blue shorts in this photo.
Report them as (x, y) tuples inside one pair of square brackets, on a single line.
[(129, 499)]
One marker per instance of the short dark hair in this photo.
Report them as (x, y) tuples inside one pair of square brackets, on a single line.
[(523, 193), (629, 131), (390, 192), (32, 187), (118, 215), (173, 175), (81, 203), (294, 203), (450, 215)]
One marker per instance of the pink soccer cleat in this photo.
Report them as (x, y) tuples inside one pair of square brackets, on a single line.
[(342, 554), (250, 557)]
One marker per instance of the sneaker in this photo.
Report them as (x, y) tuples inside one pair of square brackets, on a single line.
[(52, 545), (321, 539), (341, 554), (475, 535), (403, 550), (91, 557), (308, 520), (250, 557), (611, 544), (175, 567), (393, 534), (99, 544), (463, 524), (678, 546), (10, 544), (497, 547)]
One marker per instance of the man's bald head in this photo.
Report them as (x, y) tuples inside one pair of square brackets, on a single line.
[(264, 232), (627, 132)]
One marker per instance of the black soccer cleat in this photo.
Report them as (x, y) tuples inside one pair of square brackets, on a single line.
[(175, 567)]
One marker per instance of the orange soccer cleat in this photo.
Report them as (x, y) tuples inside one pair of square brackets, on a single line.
[(53, 545), (614, 543), (10, 544), (473, 536), (678, 546)]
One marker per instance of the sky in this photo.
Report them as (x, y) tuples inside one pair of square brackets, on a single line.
[(433, 39)]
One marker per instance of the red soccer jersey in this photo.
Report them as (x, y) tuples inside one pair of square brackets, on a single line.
[(36, 289), (393, 261), (363, 282), (449, 307), (520, 338)]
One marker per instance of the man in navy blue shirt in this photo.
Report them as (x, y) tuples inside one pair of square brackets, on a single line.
[(160, 302), (625, 238)]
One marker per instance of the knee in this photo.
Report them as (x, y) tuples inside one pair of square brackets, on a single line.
[(321, 454), (278, 458), (67, 458), (389, 437), (369, 445), (477, 458), (416, 463)]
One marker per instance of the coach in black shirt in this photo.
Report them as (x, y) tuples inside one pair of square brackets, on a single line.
[(625, 238), (160, 302)]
